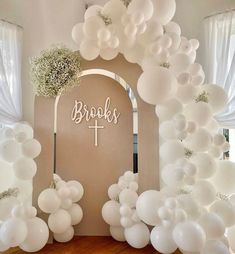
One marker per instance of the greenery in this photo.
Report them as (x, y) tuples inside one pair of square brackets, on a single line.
[(55, 70)]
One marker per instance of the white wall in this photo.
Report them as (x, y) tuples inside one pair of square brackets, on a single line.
[(49, 22)]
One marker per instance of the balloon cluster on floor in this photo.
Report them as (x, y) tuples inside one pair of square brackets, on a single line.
[(19, 224), (60, 201), (196, 206)]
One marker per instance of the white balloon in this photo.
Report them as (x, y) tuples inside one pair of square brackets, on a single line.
[(80, 190), (111, 213), (6, 176), (64, 192), (173, 27), (66, 203), (189, 236), (200, 188), (25, 168), (188, 203), (164, 10), (3, 247), (165, 41), (134, 54), (170, 151), (213, 225), (6, 206), (89, 50), (176, 39), (153, 31), (108, 53), (134, 186), (147, 205), (103, 34), (224, 178), (128, 197), (192, 127), (91, 27), (225, 147), (76, 214), (137, 236), (59, 222), (199, 141), (13, 232), (137, 18), (215, 247), (194, 43), (92, 11), (225, 210), (146, 7), (172, 175), (198, 112), (10, 150), (37, 237), (179, 63), (215, 151), (30, 212), (167, 130), (117, 234), (48, 201), (23, 128), (184, 78), (164, 213), (113, 42), (217, 97), (114, 191), (77, 33), (186, 94), (126, 222), (114, 9), (6, 133), (31, 148), (162, 240), (195, 68), (168, 109), (180, 215), (231, 237), (65, 236), (205, 163), (155, 85), (219, 139)]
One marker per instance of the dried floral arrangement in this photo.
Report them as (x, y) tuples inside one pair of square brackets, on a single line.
[(55, 70)]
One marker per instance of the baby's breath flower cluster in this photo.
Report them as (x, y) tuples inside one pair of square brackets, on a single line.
[(55, 71)]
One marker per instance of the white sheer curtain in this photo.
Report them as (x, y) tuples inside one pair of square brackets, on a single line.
[(10, 73), (220, 60)]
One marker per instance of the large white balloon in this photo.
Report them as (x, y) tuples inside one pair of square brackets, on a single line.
[(147, 206), (215, 247), (206, 165), (65, 236), (162, 240), (114, 9), (199, 141), (168, 109), (225, 211), (59, 222), (173, 175), (111, 214), (217, 97), (164, 10), (198, 112), (200, 188), (37, 237), (117, 233), (10, 150), (224, 178), (137, 236), (31, 148), (170, 151), (48, 201), (92, 11), (213, 225), (89, 50), (155, 85), (25, 168), (13, 232), (6, 176), (189, 236), (76, 214), (146, 7)]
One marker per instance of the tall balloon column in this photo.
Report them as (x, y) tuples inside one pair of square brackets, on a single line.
[(19, 225), (195, 209)]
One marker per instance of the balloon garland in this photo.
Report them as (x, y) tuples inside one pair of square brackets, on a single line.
[(196, 205), (19, 224)]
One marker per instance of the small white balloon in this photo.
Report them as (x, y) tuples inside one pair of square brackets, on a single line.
[(48, 201), (231, 237), (7, 176), (77, 33), (162, 240), (179, 63), (186, 94), (80, 190), (117, 233), (23, 128), (128, 197), (31, 148), (10, 150), (137, 236), (173, 27), (167, 130), (59, 221), (219, 139), (91, 27), (25, 168), (114, 191), (76, 214), (65, 236), (146, 7), (89, 50), (111, 213), (170, 151), (92, 11)]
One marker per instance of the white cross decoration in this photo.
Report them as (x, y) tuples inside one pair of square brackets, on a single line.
[(96, 127)]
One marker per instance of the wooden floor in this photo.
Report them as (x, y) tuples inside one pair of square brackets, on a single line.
[(90, 245)]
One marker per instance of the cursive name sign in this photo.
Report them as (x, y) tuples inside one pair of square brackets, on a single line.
[(82, 112)]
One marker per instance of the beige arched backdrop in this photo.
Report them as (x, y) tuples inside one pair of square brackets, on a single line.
[(98, 169)]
